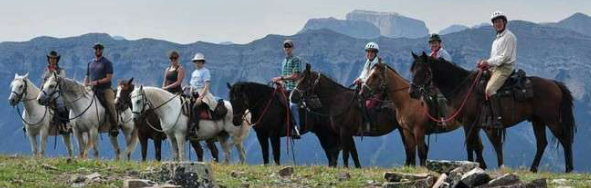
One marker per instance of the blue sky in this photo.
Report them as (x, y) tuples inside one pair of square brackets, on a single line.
[(240, 21)]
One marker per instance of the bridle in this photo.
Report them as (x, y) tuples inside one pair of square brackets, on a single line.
[(382, 88), (20, 97), (310, 87)]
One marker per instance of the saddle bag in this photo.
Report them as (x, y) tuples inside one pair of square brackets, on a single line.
[(522, 88), (220, 111)]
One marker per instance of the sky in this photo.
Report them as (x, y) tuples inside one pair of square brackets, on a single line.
[(242, 21)]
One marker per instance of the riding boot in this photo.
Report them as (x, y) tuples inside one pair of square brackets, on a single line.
[(484, 118), (194, 125), (63, 114), (495, 106)]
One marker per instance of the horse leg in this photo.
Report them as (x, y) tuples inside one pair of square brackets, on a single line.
[(474, 143), (43, 137), (33, 141), (346, 147), (224, 141), (566, 145), (469, 149), (406, 146), (180, 137), (264, 142), (131, 138), (198, 150), (354, 152), (412, 147), (276, 146), (93, 140), (213, 149), (157, 147), (68, 145), (421, 145), (497, 143), (241, 152), (81, 142), (541, 142), (144, 146), (115, 144), (328, 149), (174, 147)]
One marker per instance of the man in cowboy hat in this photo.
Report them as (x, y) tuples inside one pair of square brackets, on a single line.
[(61, 116), (436, 46), (99, 74)]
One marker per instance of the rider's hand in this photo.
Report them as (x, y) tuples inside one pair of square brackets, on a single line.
[(483, 63), (277, 79), (199, 101), (357, 81)]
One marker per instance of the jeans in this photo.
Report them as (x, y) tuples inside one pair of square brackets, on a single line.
[(295, 112)]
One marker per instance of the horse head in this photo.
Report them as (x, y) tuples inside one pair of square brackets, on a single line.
[(18, 89), (50, 90), (306, 84), (239, 100), (139, 102), (421, 75), (376, 81), (124, 89)]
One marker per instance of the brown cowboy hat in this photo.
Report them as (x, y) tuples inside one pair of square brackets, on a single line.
[(53, 54)]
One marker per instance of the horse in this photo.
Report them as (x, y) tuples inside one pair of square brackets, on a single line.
[(169, 109), (36, 118), (269, 109), (551, 105), (412, 114), (149, 126), (339, 107), (88, 116)]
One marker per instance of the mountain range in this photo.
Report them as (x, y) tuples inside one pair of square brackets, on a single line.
[(553, 51)]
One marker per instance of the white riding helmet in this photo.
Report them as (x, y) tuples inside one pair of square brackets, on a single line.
[(198, 56), (498, 14), (372, 46)]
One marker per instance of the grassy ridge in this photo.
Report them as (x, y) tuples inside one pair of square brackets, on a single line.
[(56, 172)]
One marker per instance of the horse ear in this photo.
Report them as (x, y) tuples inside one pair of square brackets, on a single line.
[(141, 87), (424, 55), (15, 75), (308, 67), (415, 56), (228, 85), (130, 80)]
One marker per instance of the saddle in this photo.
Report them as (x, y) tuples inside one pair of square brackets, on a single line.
[(205, 113), (518, 86)]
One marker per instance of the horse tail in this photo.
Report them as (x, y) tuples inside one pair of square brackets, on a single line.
[(566, 118)]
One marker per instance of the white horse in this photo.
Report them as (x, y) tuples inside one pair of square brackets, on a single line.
[(168, 107), (88, 116), (35, 117)]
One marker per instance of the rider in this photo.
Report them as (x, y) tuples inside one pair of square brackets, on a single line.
[(502, 62), (291, 68), (437, 51), (200, 84), (99, 74), (372, 59), (62, 113), (174, 74)]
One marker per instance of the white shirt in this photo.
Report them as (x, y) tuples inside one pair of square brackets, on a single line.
[(504, 49), (367, 67), (199, 77)]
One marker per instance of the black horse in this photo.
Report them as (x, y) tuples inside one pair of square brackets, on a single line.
[(268, 109)]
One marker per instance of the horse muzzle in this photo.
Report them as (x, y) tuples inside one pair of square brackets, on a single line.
[(12, 101)]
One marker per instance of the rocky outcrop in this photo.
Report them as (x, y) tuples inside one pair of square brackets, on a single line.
[(353, 28), (578, 22), (391, 24), (452, 29)]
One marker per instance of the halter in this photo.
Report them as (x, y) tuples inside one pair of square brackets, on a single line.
[(20, 96), (148, 103)]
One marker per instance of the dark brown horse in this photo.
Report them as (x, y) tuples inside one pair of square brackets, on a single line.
[(386, 83), (341, 109), (551, 105), (268, 109), (149, 125)]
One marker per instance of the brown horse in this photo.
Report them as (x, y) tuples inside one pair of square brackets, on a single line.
[(386, 83), (339, 106), (149, 125), (551, 105)]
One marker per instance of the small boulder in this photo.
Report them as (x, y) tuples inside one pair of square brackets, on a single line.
[(287, 171), (445, 166), (137, 183), (504, 180), (421, 183), (49, 167), (398, 177), (475, 177), (538, 183), (343, 176), (441, 182)]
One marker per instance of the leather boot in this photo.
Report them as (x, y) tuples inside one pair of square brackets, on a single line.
[(194, 125), (495, 106)]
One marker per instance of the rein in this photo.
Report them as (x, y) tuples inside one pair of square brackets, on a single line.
[(149, 104)]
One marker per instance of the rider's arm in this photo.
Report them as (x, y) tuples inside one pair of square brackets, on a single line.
[(164, 78), (296, 69), (508, 45), (204, 91)]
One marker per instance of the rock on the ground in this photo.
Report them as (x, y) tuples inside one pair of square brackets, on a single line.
[(504, 180), (343, 176), (445, 166), (287, 171), (186, 174), (538, 183), (137, 183), (441, 182), (475, 177), (398, 177), (49, 167), (422, 183), (93, 177)]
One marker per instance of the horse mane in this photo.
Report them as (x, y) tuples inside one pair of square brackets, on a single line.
[(31, 87), (396, 72), (331, 80), (72, 85), (453, 72), (156, 95)]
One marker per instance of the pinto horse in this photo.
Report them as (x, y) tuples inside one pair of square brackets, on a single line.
[(149, 126), (551, 105), (388, 84), (268, 108), (340, 108)]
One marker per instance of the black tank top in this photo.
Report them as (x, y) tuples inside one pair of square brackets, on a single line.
[(171, 77)]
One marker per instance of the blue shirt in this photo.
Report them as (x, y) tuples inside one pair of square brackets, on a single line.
[(98, 69), (199, 77)]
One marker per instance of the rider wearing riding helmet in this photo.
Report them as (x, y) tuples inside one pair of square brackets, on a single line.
[(372, 59), (502, 60)]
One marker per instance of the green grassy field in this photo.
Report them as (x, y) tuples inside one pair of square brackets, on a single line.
[(20, 171)]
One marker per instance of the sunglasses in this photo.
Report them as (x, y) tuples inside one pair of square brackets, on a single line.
[(173, 58), (287, 46)]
